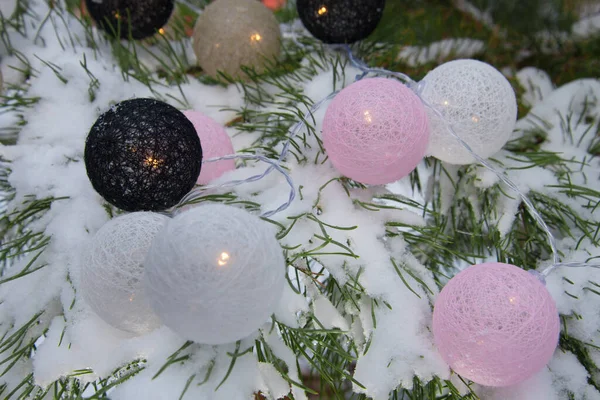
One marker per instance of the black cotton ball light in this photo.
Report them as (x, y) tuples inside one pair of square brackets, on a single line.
[(140, 18), (143, 155), (340, 21)]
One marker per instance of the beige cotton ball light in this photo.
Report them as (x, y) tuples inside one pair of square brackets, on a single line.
[(230, 34)]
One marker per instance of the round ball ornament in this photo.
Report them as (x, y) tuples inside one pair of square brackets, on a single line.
[(340, 21), (215, 143), (215, 273), (230, 34), (143, 155), (137, 19), (375, 131), (112, 274), (495, 324), (477, 101)]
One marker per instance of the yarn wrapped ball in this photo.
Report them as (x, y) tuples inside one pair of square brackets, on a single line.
[(137, 19), (215, 143), (230, 34), (112, 272), (375, 131), (477, 101), (143, 155), (495, 324), (340, 21), (215, 273)]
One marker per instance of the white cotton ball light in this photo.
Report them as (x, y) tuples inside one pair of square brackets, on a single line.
[(112, 274), (215, 274), (477, 101)]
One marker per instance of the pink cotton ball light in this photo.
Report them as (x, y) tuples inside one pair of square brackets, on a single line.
[(375, 131), (495, 324), (215, 143)]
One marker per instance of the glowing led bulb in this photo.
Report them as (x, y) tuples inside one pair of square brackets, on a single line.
[(223, 259), (322, 10)]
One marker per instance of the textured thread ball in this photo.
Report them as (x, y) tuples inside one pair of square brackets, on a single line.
[(215, 143), (477, 101), (143, 155), (112, 274), (138, 18), (215, 273), (375, 131), (495, 324), (230, 34), (340, 21)]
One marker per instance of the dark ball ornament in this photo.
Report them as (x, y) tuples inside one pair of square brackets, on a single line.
[(340, 21), (138, 18), (143, 155)]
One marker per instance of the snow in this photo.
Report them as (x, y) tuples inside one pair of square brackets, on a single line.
[(48, 162), (537, 85), (442, 50)]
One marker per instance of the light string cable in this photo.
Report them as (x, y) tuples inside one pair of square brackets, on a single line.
[(273, 165), (418, 89)]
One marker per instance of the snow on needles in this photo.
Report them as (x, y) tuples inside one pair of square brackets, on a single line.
[(47, 162)]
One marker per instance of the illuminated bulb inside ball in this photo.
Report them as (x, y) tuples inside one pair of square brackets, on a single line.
[(477, 101), (223, 259), (375, 131), (215, 274), (495, 324), (322, 10), (232, 34)]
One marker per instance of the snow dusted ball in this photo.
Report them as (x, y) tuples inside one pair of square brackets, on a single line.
[(230, 34), (137, 19), (477, 101), (111, 276), (215, 143), (143, 155), (375, 131), (340, 21), (495, 324), (215, 273)]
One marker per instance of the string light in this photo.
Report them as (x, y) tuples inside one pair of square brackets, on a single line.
[(417, 87)]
